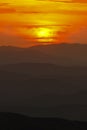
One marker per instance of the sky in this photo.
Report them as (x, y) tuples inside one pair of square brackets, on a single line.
[(26, 23)]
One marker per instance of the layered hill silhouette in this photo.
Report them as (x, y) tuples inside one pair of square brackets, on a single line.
[(42, 70), (42, 89), (48, 81), (60, 54)]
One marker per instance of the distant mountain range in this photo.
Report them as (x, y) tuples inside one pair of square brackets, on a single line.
[(46, 80), (44, 89), (60, 54)]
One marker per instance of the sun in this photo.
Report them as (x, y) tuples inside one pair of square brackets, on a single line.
[(43, 32)]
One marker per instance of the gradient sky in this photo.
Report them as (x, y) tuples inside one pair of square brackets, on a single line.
[(30, 22)]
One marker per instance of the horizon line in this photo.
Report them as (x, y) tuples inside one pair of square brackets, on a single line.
[(42, 45)]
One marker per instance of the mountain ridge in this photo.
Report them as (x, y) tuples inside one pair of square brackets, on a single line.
[(61, 54)]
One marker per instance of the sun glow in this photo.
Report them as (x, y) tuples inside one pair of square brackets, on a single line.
[(30, 22), (44, 34)]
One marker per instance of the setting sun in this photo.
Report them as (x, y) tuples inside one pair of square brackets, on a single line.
[(44, 34)]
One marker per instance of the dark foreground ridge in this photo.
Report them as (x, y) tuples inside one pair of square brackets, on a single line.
[(12, 121)]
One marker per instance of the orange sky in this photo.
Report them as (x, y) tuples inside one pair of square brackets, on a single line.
[(29, 22)]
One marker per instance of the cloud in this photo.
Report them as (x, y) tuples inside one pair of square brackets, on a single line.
[(79, 1), (13, 40), (7, 10), (67, 1), (3, 4), (79, 36), (63, 6), (57, 0)]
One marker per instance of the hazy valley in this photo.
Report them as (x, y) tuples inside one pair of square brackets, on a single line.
[(53, 87)]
